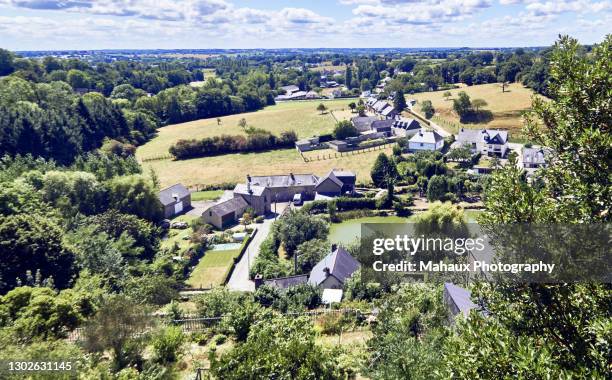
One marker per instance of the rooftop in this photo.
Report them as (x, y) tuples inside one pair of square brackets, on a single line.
[(426, 137), (339, 264), (284, 180), (167, 195), (228, 206)]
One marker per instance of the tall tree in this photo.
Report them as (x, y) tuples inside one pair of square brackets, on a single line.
[(399, 101)]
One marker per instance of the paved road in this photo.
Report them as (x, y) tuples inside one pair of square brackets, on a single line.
[(240, 276)]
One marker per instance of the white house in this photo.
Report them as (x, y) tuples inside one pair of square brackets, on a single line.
[(426, 140), (489, 142)]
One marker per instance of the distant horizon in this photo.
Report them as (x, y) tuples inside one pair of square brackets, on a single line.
[(73, 25)]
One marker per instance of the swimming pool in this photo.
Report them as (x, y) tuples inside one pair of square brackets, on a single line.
[(225, 247)]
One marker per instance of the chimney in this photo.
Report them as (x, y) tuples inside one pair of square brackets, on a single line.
[(258, 280), (292, 176), (326, 271), (334, 247), (248, 178)]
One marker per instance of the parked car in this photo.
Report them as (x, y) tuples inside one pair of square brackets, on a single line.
[(297, 199)]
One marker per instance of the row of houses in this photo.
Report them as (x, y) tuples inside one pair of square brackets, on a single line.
[(259, 192), (381, 108)]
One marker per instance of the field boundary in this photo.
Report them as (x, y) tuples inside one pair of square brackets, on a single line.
[(346, 154)]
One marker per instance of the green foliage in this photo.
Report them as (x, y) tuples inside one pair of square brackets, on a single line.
[(427, 108), (462, 105), (31, 243), (399, 101), (218, 302), (345, 129), (407, 340), (168, 344), (134, 195), (437, 188), (383, 171), (296, 227), (310, 253), (282, 348)]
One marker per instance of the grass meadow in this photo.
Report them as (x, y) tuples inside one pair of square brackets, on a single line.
[(212, 268), (506, 107), (300, 116)]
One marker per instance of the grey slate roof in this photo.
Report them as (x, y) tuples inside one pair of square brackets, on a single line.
[(287, 282), (340, 263), (167, 195), (426, 137), (284, 180), (242, 188), (382, 125), (488, 136), (388, 111), (460, 297), (380, 105), (228, 206), (407, 124), (363, 123)]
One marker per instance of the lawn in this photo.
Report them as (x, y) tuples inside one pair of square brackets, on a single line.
[(235, 167), (178, 236), (506, 107), (300, 116), (208, 195), (212, 268)]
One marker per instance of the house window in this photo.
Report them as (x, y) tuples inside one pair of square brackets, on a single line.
[(210, 213)]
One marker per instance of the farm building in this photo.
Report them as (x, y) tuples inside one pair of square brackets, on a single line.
[(282, 188), (336, 183), (175, 200), (426, 140), (489, 142), (226, 213), (363, 123)]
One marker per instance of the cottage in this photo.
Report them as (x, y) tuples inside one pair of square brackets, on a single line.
[(258, 197), (175, 199), (405, 127), (333, 271), (226, 213), (336, 182), (489, 142), (426, 140), (534, 158)]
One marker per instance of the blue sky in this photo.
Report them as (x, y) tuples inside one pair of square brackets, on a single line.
[(174, 24)]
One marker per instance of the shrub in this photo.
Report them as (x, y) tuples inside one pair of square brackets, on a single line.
[(167, 345)]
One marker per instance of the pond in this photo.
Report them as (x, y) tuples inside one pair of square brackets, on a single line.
[(350, 230)]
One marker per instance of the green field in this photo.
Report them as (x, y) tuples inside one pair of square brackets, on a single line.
[(208, 195), (506, 107), (212, 268), (300, 116)]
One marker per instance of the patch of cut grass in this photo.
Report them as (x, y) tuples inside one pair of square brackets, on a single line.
[(212, 268), (207, 195)]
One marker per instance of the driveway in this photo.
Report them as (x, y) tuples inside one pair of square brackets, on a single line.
[(240, 276)]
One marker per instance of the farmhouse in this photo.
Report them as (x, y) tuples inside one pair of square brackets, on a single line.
[(389, 112), (489, 142), (333, 271), (534, 158), (426, 140), (382, 127), (282, 188), (175, 199), (226, 213), (258, 197), (405, 127), (363, 123)]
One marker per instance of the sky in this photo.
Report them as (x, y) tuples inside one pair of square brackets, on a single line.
[(201, 24)]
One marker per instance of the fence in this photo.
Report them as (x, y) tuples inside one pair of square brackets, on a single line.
[(191, 323), (158, 158), (335, 155)]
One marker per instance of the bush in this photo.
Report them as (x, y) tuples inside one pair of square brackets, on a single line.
[(257, 140), (167, 345), (260, 219)]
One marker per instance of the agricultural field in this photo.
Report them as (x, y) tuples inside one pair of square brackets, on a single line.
[(506, 107), (235, 167), (300, 116)]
